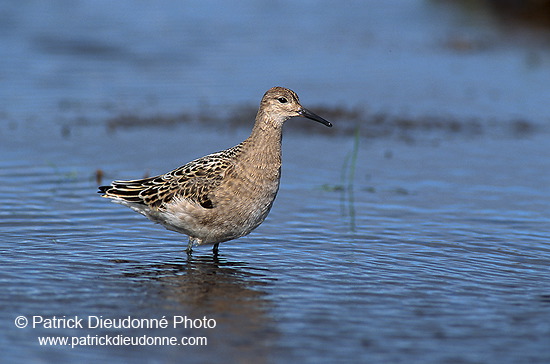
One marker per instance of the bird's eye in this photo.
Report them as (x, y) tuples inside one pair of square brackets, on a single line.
[(282, 100)]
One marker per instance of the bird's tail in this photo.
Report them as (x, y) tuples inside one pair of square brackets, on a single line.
[(129, 191)]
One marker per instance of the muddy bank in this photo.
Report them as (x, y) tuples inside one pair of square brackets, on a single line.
[(347, 121), (517, 12)]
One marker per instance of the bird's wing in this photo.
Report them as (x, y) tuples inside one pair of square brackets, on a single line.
[(194, 181)]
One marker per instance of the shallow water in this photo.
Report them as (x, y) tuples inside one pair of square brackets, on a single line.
[(435, 252), (443, 259)]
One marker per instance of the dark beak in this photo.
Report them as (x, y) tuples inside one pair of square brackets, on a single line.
[(308, 114)]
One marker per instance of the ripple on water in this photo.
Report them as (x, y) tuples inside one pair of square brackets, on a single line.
[(444, 267)]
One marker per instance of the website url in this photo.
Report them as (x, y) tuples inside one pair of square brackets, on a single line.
[(121, 340)]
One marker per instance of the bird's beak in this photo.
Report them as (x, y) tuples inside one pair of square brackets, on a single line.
[(308, 114)]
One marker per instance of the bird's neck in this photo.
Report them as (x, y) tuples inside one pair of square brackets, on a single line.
[(263, 146)]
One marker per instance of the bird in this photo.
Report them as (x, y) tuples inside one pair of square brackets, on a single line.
[(224, 195)]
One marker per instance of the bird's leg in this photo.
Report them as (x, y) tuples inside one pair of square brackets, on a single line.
[(215, 249), (189, 249)]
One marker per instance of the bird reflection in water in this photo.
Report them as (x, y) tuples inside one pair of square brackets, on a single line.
[(232, 293)]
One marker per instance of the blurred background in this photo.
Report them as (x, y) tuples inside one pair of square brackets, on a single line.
[(414, 231), (438, 58)]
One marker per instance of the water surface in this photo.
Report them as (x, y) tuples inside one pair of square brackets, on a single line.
[(436, 251)]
